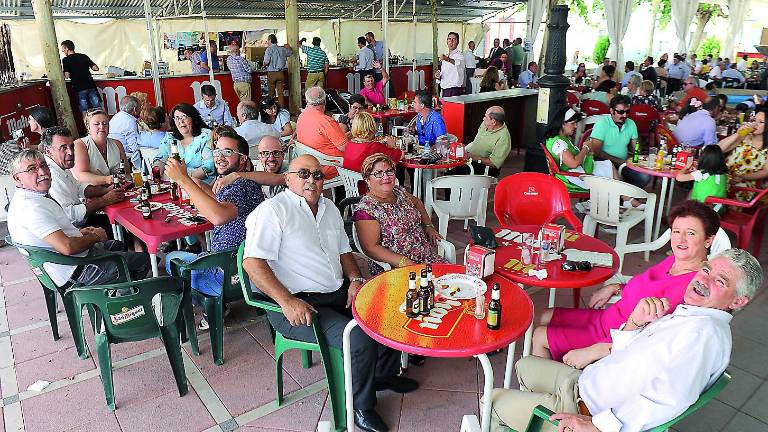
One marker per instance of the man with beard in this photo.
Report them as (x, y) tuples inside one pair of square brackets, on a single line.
[(226, 209), (78, 200)]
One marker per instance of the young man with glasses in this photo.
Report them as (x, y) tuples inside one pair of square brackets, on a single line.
[(35, 219), (613, 138), (297, 254)]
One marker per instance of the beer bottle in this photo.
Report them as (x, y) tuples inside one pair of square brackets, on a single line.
[(175, 150), (145, 184), (431, 286), (636, 154), (144, 205), (174, 187), (121, 174), (494, 309), (424, 294), (412, 297), (115, 181)]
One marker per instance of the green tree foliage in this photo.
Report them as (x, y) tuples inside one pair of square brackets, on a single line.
[(665, 9), (711, 45), (601, 49)]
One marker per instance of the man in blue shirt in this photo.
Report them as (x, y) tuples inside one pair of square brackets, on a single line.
[(378, 53), (214, 111), (429, 123), (214, 58), (629, 71), (677, 72), (124, 127), (274, 62)]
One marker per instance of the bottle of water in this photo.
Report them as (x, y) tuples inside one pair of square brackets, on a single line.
[(379, 131)]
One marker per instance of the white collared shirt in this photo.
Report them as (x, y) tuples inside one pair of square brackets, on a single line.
[(124, 128), (452, 74), (654, 374), (31, 217), (219, 112), (68, 192), (254, 130), (470, 61), (733, 73), (303, 250)]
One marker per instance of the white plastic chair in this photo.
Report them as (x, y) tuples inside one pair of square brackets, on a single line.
[(148, 155), (445, 249), (606, 196), (7, 189), (326, 160), (582, 125), (469, 199), (350, 181)]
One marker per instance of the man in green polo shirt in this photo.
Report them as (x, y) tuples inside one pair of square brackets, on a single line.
[(517, 57), (613, 138), (490, 147), (317, 63)]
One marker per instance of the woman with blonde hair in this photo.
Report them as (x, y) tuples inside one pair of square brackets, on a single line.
[(645, 95), (98, 157), (364, 143)]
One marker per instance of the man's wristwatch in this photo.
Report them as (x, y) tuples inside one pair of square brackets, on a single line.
[(357, 279)]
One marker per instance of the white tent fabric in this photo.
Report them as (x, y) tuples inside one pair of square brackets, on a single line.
[(617, 14), (682, 14), (533, 16), (737, 11)]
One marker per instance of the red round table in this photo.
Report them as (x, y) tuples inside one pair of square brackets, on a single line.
[(419, 182), (451, 330), (667, 173), (386, 115)]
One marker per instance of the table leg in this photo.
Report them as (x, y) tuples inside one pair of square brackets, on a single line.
[(660, 209), (153, 262), (417, 183), (552, 298), (510, 365), (348, 395), (485, 417), (528, 341), (115, 232), (671, 193)]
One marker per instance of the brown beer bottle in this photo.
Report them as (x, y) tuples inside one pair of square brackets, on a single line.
[(174, 187), (424, 307), (431, 286), (145, 184), (412, 297), (144, 205), (494, 309)]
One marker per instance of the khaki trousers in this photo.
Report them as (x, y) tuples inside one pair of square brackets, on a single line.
[(276, 85), (315, 79), (542, 382), (242, 90)]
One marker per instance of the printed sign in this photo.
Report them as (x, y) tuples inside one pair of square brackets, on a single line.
[(126, 315), (442, 319)]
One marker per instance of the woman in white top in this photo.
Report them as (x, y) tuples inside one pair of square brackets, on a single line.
[(97, 158)]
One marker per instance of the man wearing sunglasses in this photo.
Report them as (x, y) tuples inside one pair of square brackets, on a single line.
[(613, 138), (297, 254)]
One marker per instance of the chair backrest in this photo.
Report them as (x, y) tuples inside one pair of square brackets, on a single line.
[(7, 189), (351, 179), (606, 196), (587, 134), (148, 155), (592, 107), (252, 297), (300, 149), (529, 198), (137, 314), (703, 399), (552, 165), (469, 193), (585, 125), (661, 130), (645, 117), (572, 99), (224, 260)]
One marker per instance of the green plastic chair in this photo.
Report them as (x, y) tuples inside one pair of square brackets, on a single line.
[(213, 305), (332, 358), (541, 414), (150, 308), (36, 257)]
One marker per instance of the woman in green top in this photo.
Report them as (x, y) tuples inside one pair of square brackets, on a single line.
[(711, 177), (569, 158)]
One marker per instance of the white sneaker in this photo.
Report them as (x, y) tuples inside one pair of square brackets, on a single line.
[(204, 320), (608, 229), (581, 207)]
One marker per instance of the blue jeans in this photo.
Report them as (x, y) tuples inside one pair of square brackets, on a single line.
[(208, 281), (88, 98), (635, 178)]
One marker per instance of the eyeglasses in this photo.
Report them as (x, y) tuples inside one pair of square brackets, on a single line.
[(380, 174), (685, 84), (621, 112), (277, 154), (180, 117), (225, 152), (304, 174), (32, 169)]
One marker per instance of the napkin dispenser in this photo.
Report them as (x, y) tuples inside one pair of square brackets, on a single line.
[(479, 261)]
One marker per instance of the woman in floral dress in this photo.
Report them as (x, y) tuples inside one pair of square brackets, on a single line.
[(746, 155)]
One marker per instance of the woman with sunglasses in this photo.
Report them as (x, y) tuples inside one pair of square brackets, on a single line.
[(393, 225), (280, 118), (97, 157), (192, 138)]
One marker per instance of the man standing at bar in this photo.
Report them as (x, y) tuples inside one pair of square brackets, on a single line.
[(378, 54), (274, 60), (214, 57), (517, 58), (470, 62), (317, 63), (77, 67), (195, 61), (241, 70), (452, 71), (364, 58)]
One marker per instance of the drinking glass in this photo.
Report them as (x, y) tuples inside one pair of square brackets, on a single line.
[(652, 152)]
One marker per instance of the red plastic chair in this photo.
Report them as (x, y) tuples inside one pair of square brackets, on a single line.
[(554, 169), (592, 107), (529, 198), (671, 139), (646, 118), (585, 136), (746, 219), (572, 99)]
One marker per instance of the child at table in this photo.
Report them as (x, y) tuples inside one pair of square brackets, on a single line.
[(710, 178)]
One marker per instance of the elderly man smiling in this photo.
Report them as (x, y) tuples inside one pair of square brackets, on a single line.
[(660, 361)]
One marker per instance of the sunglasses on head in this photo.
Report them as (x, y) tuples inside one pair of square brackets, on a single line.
[(621, 112), (304, 174)]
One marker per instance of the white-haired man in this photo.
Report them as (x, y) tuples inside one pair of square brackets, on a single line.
[(124, 127), (251, 128), (317, 130)]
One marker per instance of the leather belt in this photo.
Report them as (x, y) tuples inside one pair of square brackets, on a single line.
[(583, 410)]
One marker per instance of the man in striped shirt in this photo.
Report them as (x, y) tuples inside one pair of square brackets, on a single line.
[(317, 63), (241, 69)]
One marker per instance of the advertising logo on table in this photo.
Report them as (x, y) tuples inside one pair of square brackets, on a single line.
[(442, 319)]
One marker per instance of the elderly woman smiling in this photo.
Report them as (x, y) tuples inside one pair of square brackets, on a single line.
[(393, 225)]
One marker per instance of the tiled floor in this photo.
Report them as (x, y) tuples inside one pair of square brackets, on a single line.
[(241, 392)]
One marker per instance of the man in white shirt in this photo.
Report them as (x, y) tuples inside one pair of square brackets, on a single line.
[(527, 78), (213, 110), (742, 65), (470, 63), (657, 366), (677, 72), (79, 201), (599, 69), (251, 128), (297, 253), (717, 70), (733, 73), (364, 58), (124, 128), (452, 73), (35, 219)]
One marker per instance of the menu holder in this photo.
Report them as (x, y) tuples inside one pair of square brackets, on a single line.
[(598, 259)]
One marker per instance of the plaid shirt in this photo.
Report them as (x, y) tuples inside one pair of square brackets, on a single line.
[(239, 68)]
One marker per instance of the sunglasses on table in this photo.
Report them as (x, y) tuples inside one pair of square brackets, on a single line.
[(277, 154), (304, 174), (380, 174), (225, 152)]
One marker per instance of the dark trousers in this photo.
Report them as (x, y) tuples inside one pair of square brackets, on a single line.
[(673, 85), (453, 91), (635, 178), (468, 73), (369, 358), (516, 69), (106, 272)]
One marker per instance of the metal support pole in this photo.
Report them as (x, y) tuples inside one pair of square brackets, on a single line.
[(385, 31), (435, 63), (207, 45), (294, 66), (415, 30), (153, 49), (49, 46)]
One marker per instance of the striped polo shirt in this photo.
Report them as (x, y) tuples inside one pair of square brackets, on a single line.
[(316, 58)]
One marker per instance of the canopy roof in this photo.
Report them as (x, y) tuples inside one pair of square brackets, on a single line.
[(448, 10)]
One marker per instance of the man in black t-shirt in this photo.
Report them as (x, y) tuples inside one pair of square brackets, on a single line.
[(77, 67)]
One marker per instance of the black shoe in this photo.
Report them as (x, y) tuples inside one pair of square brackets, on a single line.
[(397, 384), (193, 248), (167, 247), (416, 360), (370, 420)]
